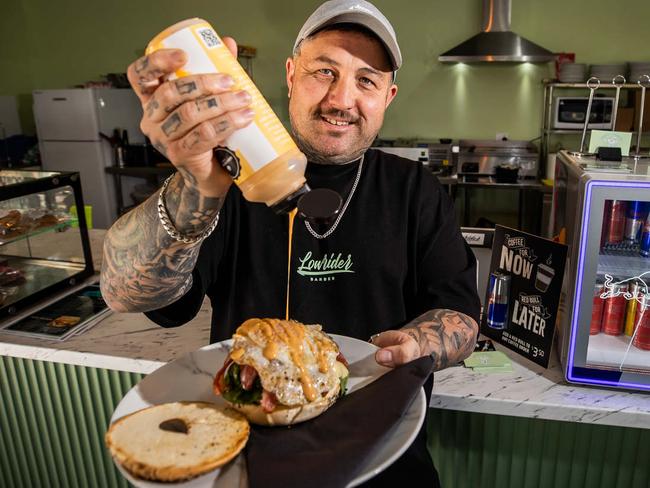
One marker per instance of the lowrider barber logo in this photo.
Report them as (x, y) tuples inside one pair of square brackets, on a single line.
[(325, 268)]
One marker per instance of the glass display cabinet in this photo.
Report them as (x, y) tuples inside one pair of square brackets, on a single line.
[(44, 244)]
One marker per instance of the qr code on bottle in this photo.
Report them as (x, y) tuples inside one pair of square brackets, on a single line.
[(209, 38)]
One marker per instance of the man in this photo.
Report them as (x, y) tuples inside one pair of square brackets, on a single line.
[(393, 265)]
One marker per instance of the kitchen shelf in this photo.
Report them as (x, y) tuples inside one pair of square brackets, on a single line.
[(579, 131), (151, 173), (557, 84), (609, 351), (547, 133)]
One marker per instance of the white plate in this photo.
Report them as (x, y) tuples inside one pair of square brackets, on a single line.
[(190, 379)]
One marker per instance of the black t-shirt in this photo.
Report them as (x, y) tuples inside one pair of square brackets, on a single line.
[(396, 253)]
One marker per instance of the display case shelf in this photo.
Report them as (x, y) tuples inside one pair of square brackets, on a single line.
[(623, 266), (609, 352), (60, 227), (38, 274)]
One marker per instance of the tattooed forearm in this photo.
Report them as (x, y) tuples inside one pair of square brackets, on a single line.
[(143, 268), (448, 336), (196, 212)]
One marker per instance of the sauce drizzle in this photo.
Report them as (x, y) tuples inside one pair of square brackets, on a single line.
[(293, 334), (292, 216)]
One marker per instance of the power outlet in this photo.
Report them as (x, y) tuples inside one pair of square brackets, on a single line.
[(501, 136)]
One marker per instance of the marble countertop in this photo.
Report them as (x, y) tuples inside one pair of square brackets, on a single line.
[(534, 392), (131, 342), (121, 341)]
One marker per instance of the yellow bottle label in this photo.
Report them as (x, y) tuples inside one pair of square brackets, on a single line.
[(265, 138)]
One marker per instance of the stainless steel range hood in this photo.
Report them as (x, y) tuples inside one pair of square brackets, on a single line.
[(496, 42)]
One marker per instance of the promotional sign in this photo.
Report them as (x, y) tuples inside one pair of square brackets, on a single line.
[(523, 292), (610, 138)]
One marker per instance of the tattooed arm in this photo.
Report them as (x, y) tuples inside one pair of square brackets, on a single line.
[(143, 268), (448, 336)]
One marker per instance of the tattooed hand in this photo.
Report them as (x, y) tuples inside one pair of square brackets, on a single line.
[(446, 335), (143, 267), (187, 117)]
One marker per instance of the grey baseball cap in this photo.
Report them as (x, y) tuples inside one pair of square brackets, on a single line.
[(353, 12)]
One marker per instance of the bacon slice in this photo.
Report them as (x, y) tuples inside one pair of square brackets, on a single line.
[(218, 383), (247, 375), (269, 401), (341, 359)]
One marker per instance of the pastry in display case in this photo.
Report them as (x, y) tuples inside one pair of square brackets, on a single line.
[(44, 244), (601, 210)]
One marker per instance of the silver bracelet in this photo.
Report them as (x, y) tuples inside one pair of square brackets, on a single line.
[(167, 224)]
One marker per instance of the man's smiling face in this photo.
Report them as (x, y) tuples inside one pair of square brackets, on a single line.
[(340, 84)]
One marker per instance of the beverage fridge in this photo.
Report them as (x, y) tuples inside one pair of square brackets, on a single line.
[(600, 210)]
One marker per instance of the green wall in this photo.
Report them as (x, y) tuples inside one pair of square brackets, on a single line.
[(45, 44)]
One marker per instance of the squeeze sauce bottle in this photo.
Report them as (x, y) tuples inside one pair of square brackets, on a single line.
[(262, 158)]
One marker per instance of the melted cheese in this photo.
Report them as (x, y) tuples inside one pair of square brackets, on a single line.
[(236, 354), (293, 335)]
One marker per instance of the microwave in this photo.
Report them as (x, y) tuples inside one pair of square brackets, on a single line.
[(570, 113)]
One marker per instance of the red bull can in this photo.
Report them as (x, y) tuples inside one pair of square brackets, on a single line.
[(614, 310), (642, 336), (615, 222), (634, 220), (597, 309), (644, 244), (498, 300)]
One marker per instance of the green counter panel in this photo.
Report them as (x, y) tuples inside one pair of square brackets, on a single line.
[(474, 450), (52, 422), (53, 418)]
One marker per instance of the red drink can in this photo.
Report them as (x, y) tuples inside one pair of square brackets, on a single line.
[(642, 335), (597, 309), (616, 222), (607, 211), (614, 310)]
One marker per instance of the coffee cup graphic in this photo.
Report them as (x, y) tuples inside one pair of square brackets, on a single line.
[(544, 277)]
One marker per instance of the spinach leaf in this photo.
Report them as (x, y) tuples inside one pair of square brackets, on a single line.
[(234, 392), (344, 385)]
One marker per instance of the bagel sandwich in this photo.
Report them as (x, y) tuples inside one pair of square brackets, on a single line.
[(281, 372)]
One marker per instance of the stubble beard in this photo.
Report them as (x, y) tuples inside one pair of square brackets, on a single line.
[(317, 156)]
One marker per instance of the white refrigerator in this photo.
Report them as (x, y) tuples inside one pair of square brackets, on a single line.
[(69, 123)]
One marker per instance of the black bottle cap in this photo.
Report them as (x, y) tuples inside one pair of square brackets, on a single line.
[(290, 202), (320, 206)]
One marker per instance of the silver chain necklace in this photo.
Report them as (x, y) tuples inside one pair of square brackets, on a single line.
[(345, 206)]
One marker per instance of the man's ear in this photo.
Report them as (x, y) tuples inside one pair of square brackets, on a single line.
[(291, 69), (392, 91)]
